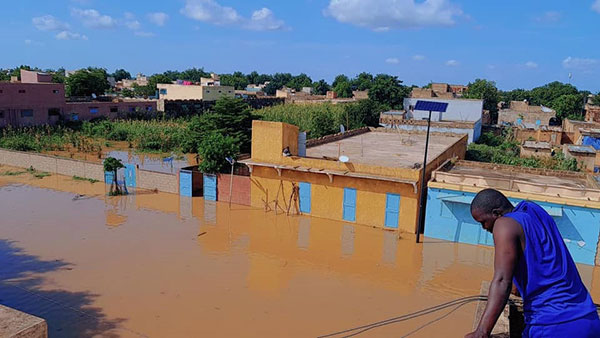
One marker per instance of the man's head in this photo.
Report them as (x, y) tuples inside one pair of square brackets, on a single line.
[(488, 206)]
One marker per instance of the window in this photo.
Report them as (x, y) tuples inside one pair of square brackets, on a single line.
[(74, 117), (349, 206), (56, 91), (131, 109), (93, 110), (27, 113), (1, 114), (114, 109), (148, 108), (163, 91), (21, 91), (219, 91), (54, 112), (208, 91), (1, 91)]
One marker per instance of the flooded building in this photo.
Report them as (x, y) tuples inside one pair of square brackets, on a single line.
[(520, 113), (365, 176), (571, 198)]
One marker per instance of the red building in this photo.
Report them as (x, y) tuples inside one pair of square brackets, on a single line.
[(35, 100)]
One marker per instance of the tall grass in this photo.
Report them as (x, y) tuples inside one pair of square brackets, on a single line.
[(315, 119)]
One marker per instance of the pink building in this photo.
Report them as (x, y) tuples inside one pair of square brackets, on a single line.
[(37, 101)]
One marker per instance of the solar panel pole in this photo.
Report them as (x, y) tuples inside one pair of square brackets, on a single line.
[(423, 183)]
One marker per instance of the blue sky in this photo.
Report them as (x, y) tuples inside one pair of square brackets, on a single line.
[(516, 43)]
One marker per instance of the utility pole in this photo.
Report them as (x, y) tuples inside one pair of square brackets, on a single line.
[(423, 199)]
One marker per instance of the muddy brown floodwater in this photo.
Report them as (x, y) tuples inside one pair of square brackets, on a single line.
[(158, 265)]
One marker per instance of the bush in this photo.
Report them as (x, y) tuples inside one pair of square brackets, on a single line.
[(214, 150)]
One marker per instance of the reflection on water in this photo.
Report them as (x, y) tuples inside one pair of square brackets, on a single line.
[(165, 266), (164, 164)]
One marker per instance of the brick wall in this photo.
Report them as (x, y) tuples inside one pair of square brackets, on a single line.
[(160, 181), (240, 189), (336, 137)]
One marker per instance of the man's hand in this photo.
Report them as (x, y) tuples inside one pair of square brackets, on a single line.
[(477, 334)]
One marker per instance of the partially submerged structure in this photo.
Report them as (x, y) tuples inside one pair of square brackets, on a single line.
[(571, 198), (369, 177), (536, 149), (520, 113)]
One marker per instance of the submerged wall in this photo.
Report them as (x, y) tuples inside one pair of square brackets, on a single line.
[(449, 218)]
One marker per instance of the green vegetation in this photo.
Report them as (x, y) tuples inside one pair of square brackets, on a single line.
[(504, 150), (86, 82), (214, 149), (113, 165), (12, 173), (91, 180)]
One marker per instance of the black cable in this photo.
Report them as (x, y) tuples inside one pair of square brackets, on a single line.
[(435, 320), (412, 315)]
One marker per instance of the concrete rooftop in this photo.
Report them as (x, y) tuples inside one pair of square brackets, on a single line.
[(385, 149)]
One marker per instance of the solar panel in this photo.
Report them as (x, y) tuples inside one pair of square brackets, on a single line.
[(431, 106)]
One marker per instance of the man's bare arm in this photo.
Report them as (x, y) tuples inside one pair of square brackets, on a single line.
[(507, 234)]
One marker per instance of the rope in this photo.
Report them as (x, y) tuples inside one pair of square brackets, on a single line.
[(361, 329)]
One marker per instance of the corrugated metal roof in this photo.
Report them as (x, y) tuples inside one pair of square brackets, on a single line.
[(536, 145), (581, 149)]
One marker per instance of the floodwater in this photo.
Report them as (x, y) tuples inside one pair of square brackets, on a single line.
[(158, 265)]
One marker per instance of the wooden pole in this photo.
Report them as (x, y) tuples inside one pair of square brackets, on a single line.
[(231, 185)]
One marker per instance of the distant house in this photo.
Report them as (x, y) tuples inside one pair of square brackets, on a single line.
[(520, 113)]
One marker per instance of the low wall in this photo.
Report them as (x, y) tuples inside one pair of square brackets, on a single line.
[(240, 189), (17, 324), (51, 164), (157, 181)]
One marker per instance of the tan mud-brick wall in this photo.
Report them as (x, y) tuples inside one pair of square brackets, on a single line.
[(160, 181)]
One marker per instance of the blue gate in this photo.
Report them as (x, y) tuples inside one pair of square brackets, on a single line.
[(185, 183), (392, 210), (109, 176), (349, 204), (305, 198), (130, 175), (210, 187)]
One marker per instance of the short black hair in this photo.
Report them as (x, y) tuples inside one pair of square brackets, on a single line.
[(488, 200)]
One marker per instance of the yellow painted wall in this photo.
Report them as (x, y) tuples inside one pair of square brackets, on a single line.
[(327, 198)]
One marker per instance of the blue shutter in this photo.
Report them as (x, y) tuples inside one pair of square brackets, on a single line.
[(392, 210), (350, 204), (185, 183), (210, 187), (130, 175), (305, 191)]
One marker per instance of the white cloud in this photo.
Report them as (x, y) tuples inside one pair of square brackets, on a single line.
[(93, 19), (210, 11), (452, 63), (549, 17), (49, 23), (596, 6), (159, 19), (531, 64), (264, 20), (418, 57), (580, 63), (66, 35), (383, 15), (392, 61)]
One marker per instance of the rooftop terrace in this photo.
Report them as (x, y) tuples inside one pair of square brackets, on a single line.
[(387, 149)]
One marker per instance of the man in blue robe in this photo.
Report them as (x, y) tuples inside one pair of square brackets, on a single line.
[(530, 251)]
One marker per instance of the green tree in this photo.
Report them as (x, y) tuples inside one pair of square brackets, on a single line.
[(193, 74), (388, 90), (361, 114), (484, 90), (126, 92), (595, 101), (214, 149), (233, 117), (272, 88), (86, 82), (545, 95), (321, 123), (364, 81), (113, 165), (299, 82), (237, 80), (121, 74), (342, 86), (568, 106), (58, 76), (321, 87)]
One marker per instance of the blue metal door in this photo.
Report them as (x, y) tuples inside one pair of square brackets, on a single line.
[(185, 183), (130, 175), (349, 204), (109, 176), (392, 210), (305, 198), (210, 187)]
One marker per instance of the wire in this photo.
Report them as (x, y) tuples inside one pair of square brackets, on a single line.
[(435, 320), (364, 328)]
